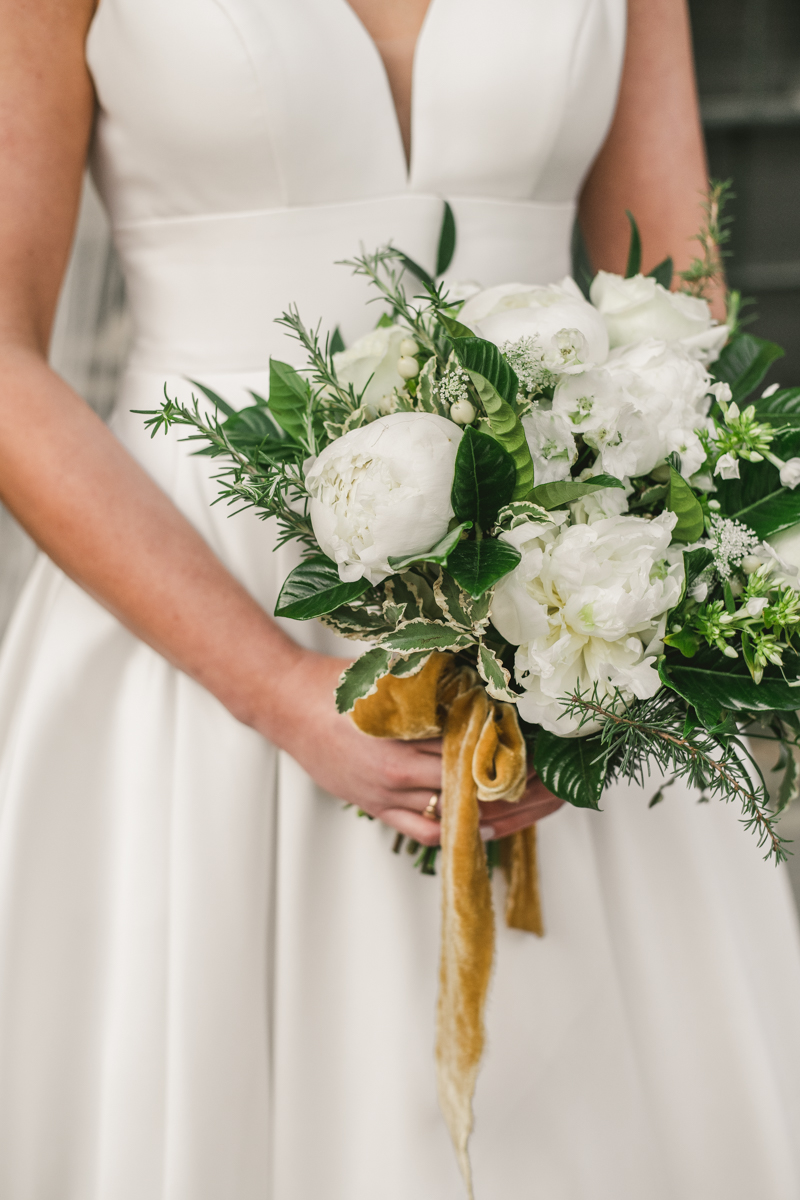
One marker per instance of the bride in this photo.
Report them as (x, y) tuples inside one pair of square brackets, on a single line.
[(213, 981)]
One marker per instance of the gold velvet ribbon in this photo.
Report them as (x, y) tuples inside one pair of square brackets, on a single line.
[(483, 759)]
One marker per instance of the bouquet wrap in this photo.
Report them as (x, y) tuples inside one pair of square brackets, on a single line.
[(483, 759)]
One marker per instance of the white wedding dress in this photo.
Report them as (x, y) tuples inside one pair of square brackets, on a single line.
[(215, 984)]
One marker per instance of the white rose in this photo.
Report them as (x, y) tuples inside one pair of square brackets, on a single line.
[(552, 446), (383, 490), (583, 606), (638, 308), (377, 355), (513, 312), (644, 403)]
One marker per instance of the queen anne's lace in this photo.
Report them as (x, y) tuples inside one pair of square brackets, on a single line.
[(731, 542)]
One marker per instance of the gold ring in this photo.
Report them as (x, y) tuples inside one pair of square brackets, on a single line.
[(430, 812)]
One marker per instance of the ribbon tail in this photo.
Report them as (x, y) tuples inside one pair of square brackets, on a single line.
[(467, 926), (523, 901)]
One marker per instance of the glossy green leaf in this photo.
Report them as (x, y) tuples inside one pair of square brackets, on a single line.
[(682, 501), (454, 328), (483, 480), (506, 427), (361, 677), (712, 683), (789, 789), (744, 362), (565, 491), (484, 359), (221, 404), (781, 408), (314, 588), (437, 554), (289, 398), (420, 272), (634, 248), (694, 563), (663, 273), (477, 566), (447, 240), (757, 498), (574, 769), (582, 270), (337, 341)]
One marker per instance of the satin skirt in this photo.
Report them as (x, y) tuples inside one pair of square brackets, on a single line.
[(217, 982)]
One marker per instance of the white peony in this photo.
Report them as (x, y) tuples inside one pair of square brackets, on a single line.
[(639, 308), (377, 355), (565, 328), (644, 403), (383, 490), (587, 606)]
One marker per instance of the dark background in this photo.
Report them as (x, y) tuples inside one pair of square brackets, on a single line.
[(748, 68)]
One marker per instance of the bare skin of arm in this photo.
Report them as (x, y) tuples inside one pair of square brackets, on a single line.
[(93, 509)]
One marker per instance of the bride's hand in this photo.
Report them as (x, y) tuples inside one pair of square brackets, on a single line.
[(391, 780)]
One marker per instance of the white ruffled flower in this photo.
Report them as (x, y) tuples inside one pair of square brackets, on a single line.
[(727, 466), (644, 403), (790, 473), (783, 550), (377, 354), (551, 443), (565, 329), (639, 308), (383, 490), (586, 607)]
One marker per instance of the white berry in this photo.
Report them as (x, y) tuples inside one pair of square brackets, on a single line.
[(407, 367), (462, 412), (408, 347)]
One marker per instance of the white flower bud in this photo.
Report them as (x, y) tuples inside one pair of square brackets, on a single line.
[(755, 606), (790, 473), (462, 412), (408, 347), (728, 467), (770, 391), (733, 412), (729, 652), (407, 367)]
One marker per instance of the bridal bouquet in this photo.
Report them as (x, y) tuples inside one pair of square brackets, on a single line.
[(567, 525)]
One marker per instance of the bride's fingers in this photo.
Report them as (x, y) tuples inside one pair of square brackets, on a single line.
[(413, 825)]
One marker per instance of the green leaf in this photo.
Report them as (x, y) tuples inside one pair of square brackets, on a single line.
[(417, 270), (416, 636), (744, 362), (483, 480), (454, 328), (289, 398), (494, 674), (663, 273), (361, 678), (314, 588), (565, 491), (506, 428), (574, 769), (447, 240), (789, 788), (337, 345), (682, 501), (781, 408), (438, 554), (712, 683), (477, 566), (412, 664), (214, 398), (484, 359), (582, 270), (757, 498), (634, 248), (694, 563)]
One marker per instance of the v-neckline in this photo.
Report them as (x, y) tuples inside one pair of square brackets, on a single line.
[(408, 163)]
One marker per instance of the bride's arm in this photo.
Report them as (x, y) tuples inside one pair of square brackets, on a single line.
[(653, 161), (90, 506)]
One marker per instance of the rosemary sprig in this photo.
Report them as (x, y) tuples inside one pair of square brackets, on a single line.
[(634, 735)]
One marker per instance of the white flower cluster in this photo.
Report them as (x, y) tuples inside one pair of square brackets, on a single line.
[(586, 607), (731, 542)]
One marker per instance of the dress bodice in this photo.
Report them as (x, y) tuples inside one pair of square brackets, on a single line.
[(243, 145)]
